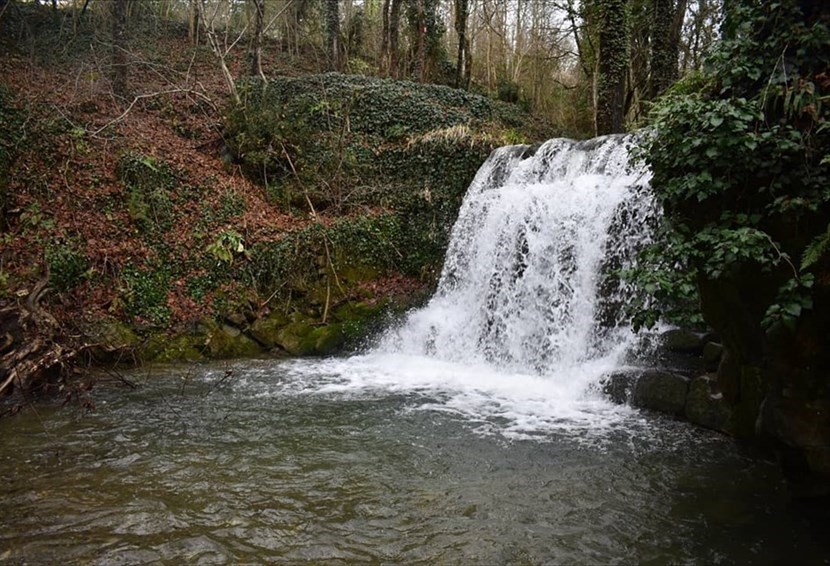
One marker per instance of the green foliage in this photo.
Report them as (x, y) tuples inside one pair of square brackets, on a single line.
[(148, 183), (145, 293), (739, 162), (67, 265), (323, 136), (227, 245), (357, 144), (300, 257)]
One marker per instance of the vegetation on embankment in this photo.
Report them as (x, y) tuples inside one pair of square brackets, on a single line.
[(741, 161), (189, 227)]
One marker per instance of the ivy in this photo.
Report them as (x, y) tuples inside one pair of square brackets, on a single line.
[(738, 158)]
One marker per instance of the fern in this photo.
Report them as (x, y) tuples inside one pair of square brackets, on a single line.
[(816, 249)]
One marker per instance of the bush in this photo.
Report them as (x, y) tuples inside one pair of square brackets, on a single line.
[(323, 136)]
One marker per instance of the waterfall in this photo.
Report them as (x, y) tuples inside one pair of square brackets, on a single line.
[(526, 317), (527, 283)]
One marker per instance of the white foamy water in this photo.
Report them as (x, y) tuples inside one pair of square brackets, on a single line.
[(523, 323)]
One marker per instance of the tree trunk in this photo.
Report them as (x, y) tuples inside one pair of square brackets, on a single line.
[(193, 22), (333, 33), (461, 65), (420, 55), (665, 46), (119, 48), (613, 66), (384, 39), (256, 44), (394, 35)]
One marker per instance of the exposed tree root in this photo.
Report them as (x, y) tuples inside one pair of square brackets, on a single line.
[(37, 356)]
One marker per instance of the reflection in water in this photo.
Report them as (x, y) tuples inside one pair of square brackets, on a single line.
[(275, 465)]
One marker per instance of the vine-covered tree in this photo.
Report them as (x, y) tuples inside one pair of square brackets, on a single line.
[(613, 66), (256, 40), (667, 19), (332, 13)]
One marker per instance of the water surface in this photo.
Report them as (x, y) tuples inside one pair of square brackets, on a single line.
[(287, 462)]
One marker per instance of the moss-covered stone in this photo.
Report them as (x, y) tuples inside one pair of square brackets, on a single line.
[(266, 329), (113, 340), (184, 347), (325, 340), (225, 342)]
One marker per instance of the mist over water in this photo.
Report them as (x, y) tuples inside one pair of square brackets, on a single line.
[(523, 325)]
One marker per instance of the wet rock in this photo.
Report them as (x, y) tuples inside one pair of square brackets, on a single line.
[(712, 354), (619, 384), (801, 428), (185, 347), (682, 341), (113, 341), (662, 391), (293, 337), (705, 407), (325, 340)]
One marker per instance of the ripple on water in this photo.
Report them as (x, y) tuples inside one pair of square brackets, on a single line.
[(271, 466)]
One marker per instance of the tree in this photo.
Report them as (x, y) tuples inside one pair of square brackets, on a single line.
[(256, 42), (613, 65), (667, 19), (119, 48), (333, 33), (193, 19), (463, 61)]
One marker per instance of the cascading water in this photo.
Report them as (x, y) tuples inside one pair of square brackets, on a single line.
[(520, 288), (525, 319)]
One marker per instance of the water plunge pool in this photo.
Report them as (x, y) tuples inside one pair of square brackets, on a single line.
[(284, 462)]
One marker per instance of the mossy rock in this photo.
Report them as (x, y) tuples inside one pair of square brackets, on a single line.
[(294, 337), (355, 311), (113, 339), (226, 342), (661, 391), (325, 340), (266, 330), (184, 347)]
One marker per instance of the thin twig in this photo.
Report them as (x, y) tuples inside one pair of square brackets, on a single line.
[(141, 97)]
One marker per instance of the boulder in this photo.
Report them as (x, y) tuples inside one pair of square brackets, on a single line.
[(712, 354), (618, 384), (266, 330), (661, 390), (185, 347), (682, 341), (225, 342), (706, 408)]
